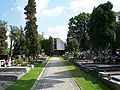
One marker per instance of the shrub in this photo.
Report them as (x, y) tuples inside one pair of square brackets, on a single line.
[(18, 61), (66, 57), (24, 64), (15, 62)]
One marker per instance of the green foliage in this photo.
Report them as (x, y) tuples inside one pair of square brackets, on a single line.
[(32, 41), (101, 26), (68, 56), (16, 41), (47, 45), (15, 62), (23, 46), (72, 45), (41, 37), (118, 35), (51, 46), (78, 29), (14, 38), (3, 37), (18, 61), (17, 37), (24, 64), (117, 31), (11, 40)]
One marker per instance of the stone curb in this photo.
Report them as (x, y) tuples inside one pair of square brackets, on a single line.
[(76, 84), (36, 82)]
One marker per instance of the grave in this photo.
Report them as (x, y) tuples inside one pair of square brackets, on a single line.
[(89, 66), (107, 68), (103, 70), (105, 74), (116, 78), (8, 75), (12, 72)]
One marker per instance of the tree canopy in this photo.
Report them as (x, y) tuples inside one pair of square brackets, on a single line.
[(101, 25), (47, 45), (3, 37), (72, 45), (78, 29)]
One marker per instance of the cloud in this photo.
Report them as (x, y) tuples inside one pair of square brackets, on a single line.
[(19, 8), (116, 5), (12, 9), (40, 6), (82, 5), (54, 11), (57, 32), (16, 8), (87, 6)]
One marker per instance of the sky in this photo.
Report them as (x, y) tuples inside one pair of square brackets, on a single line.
[(52, 15)]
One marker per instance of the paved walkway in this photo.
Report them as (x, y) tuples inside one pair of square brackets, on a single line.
[(56, 77)]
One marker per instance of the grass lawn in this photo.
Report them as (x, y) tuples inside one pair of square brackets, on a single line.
[(84, 80), (27, 81)]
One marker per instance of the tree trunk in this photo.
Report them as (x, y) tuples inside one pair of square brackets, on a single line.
[(90, 52), (100, 54), (10, 48)]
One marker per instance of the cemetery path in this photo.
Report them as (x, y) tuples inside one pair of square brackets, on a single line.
[(56, 77)]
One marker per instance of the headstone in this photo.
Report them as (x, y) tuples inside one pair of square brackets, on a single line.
[(9, 61), (32, 66)]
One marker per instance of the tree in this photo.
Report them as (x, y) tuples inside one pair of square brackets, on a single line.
[(41, 37), (101, 26), (78, 29), (32, 41), (23, 48), (17, 37), (47, 45), (3, 37), (11, 40), (72, 45), (117, 30), (15, 40), (51, 46)]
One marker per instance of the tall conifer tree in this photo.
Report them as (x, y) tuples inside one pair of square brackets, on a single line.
[(31, 28)]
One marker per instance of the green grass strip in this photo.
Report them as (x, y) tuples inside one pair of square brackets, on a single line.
[(85, 80), (28, 80)]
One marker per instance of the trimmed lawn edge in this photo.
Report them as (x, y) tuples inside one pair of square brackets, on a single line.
[(84, 80), (28, 80), (36, 82)]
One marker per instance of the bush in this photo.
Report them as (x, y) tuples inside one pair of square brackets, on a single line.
[(18, 61), (66, 57), (24, 64)]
